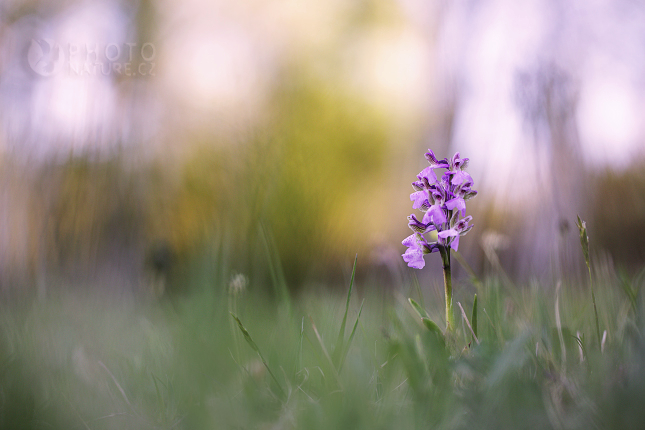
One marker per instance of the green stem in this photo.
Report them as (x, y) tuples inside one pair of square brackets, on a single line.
[(595, 309), (447, 281)]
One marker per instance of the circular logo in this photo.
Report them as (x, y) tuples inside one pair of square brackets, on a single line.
[(45, 57)]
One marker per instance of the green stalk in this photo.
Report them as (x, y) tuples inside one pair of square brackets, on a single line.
[(584, 242), (447, 281)]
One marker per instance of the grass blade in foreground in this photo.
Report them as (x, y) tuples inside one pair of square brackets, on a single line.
[(422, 312), (425, 319), (584, 242), (351, 337), (463, 314), (473, 318), (255, 348), (338, 349), (326, 354), (275, 268)]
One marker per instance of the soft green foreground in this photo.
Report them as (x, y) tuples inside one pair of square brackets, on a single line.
[(99, 363)]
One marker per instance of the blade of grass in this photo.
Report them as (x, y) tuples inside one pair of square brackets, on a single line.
[(432, 326), (581, 346), (326, 354), (125, 397), (558, 324), (417, 287), (298, 365), (338, 349), (422, 312), (473, 277), (255, 348), (425, 319), (162, 403), (584, 242), (463, 314), (351, 337), (473, 318), (275, 268), (497, 332), (628, 290), (76, 412)]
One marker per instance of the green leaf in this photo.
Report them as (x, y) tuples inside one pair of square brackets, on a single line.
[(425, 319), (432, 326), (422, 312)]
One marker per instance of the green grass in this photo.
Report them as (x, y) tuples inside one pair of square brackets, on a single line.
[(98, 362)]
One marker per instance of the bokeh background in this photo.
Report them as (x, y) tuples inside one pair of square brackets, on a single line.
[(142, 142)]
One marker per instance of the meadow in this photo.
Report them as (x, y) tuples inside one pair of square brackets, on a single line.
[(176, 245), (228, 356)]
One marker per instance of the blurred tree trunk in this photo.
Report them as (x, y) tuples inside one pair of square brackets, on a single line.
[(548, 100)]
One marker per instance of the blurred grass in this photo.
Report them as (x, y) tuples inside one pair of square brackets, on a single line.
[(100, 362)]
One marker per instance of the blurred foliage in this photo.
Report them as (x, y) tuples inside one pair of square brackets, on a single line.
[(97, 209), (305, 178), (303, 188), (183, 211), (328, 161), (618, 223), (308, 180)]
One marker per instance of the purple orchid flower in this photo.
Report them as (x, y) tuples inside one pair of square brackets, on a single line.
[(420, 198), (444, 202), (457, 163), (460, 229), (437, 194), (418, 226), (434, 162), (428, 175), (418, 185), (435, 213), (417, 248), (457, 203), (459, 178), (461, 193)]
